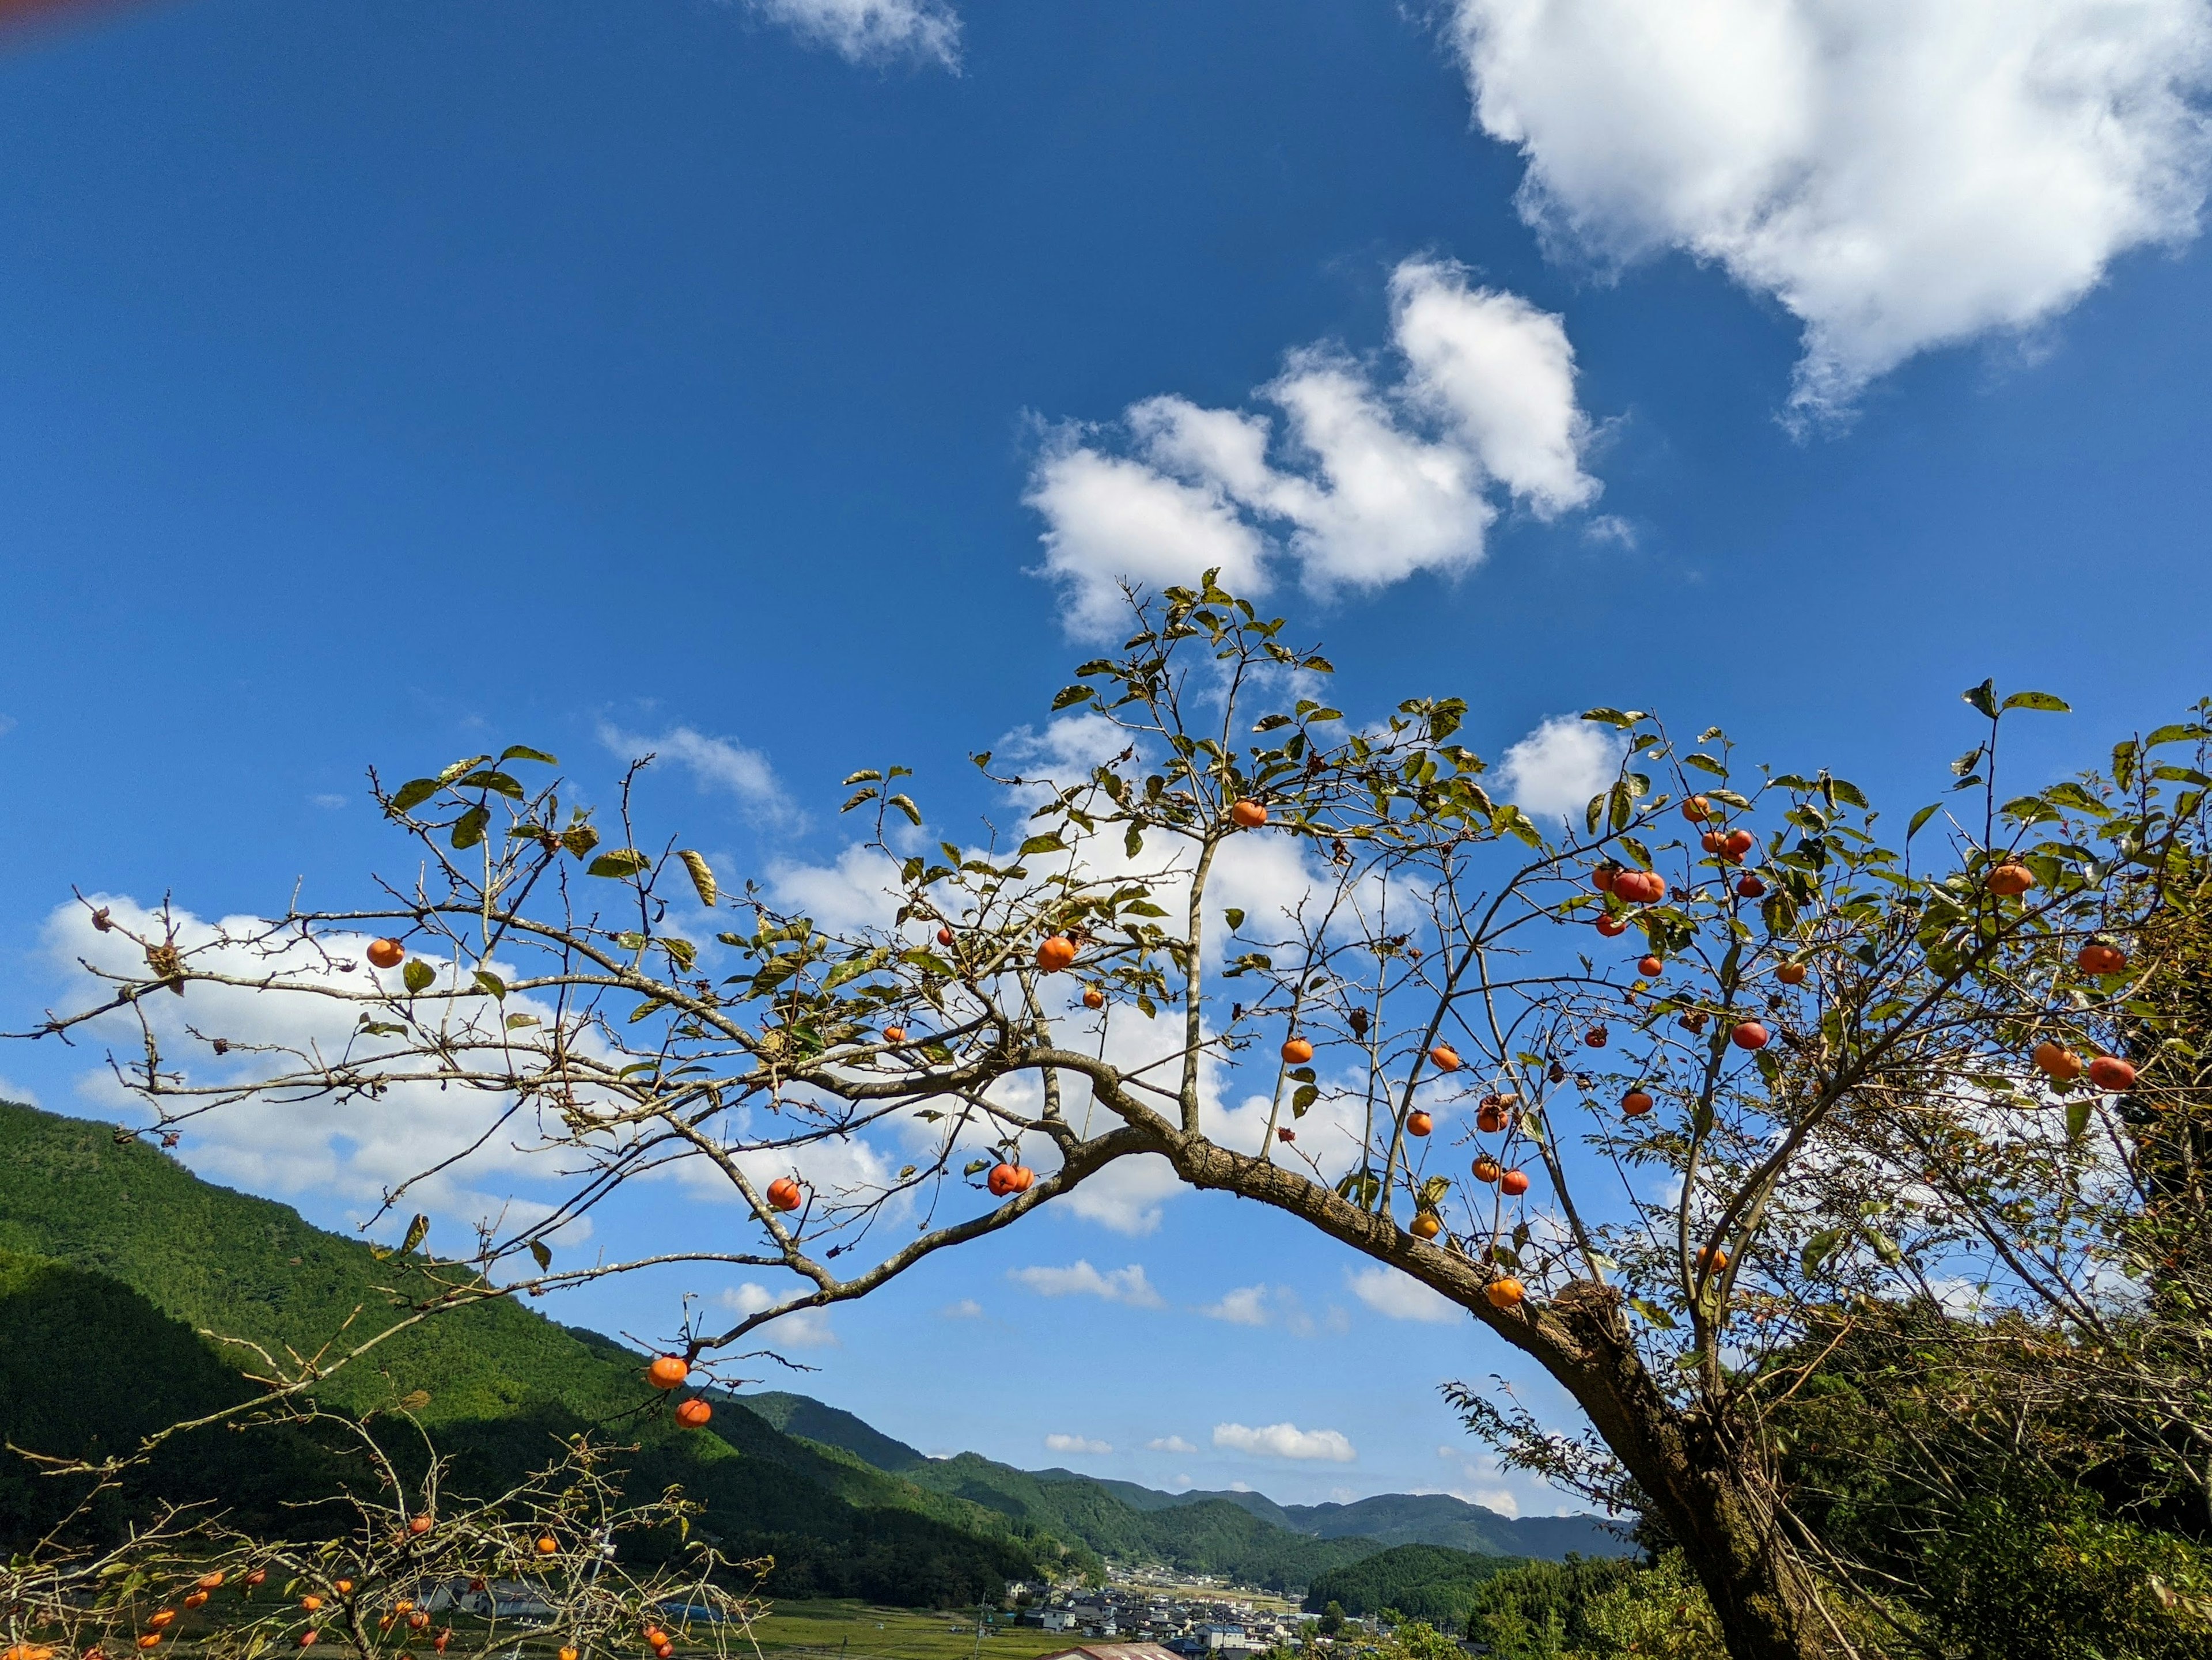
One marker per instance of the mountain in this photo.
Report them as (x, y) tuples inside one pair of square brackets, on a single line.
[(150, 1254), (1437, 1518), (1422, 1582), (1067, 1503)]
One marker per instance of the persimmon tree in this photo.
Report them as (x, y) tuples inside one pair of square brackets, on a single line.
[(1620, 1088), (415, 1569)]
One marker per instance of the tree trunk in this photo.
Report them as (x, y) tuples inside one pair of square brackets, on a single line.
[(1714, 1498)]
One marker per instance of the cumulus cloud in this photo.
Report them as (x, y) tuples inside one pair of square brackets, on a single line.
[(874, 31), (1245, 1306), (966, 1308), (1172, 1444), (1368, 480), (1076, 1443), (1554, 770), (1127, 1285), (716, 763), (1284, 1441), (1393, 1294), (806, 1329), (1897, 175)]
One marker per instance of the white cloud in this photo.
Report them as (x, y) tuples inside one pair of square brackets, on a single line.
[(1075, 1443), (328, 801), (1284, 1441), (717, 763), (1172, 1444), (966, 1308), (1126, 1196), (1127, 1285), (1389, 1293), (1554, 770), (807, 1328), (1245, 1306), (1898, 175), (1367, 482), (874, 31)]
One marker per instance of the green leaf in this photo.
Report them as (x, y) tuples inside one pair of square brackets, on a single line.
[(2172, 734), (856, 798), (1234, 917), (1652, 1312), (2036, 700), (523, 752), (469, 828), (2077, 1117), (542, 1254), (905, 804), (459, 766), (498, 783), (1983, 698), (1819, 1248), (1068, 697), (1624, 805), (418, 976), (1133, 843), (1920, 819), (517, 1022), (579, 840), (621, 861), (702, 876), (1612, 717), (1848, 793), (413, 794), (491, 985), (1705, 764), (417, 1230), (1303, 1097)]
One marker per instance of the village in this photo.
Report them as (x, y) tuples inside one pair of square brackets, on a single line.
[(1147, 1609)]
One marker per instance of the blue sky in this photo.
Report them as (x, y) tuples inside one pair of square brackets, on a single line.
[(382, 382)]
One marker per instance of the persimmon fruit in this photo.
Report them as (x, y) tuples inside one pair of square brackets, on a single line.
[(784, 1193), (895, 1034), (1738, 843), (547, 1544), (1055, 953), (2100, 958), (1636, 1103), (1791, 974), (1444, 1058), (1748, 886), (1712, 1260), (1650, 967), (2109, 1071), (1612, 927), (1426, 1225), (1487, 1169), (668, 1372), (1602, 877), (2011, 879), (1513, 1183), (1698, 808), (1596, 1037), (311, 1601), (385, 953), (694, 1414), (196, 1599), (1419, 1123), (1003, 1180), (2056, 1062), (945, 936), (1248, 814), (1749, 1034), (1504, 1293), (1296, 1050), (1093, 998), (1490, 1118)]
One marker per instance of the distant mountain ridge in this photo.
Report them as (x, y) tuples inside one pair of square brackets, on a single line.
[(1385, 1520)]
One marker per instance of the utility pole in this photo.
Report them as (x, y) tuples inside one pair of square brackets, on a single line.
[(978, 1649)]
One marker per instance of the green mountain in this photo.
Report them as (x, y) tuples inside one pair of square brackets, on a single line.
[(1437, 1518), (152, 1254), (1421, 1582), (1057, 1500)]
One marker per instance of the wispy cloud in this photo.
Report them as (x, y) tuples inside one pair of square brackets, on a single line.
[(1075, 1443), (1128, 1286), (874, 31), (1392, 1293), (721, 764)]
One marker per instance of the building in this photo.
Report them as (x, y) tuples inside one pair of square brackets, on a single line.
[(1114, 1652)]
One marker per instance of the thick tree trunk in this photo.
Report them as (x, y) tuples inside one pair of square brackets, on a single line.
[(1713, 1502), (1711, 1496)]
